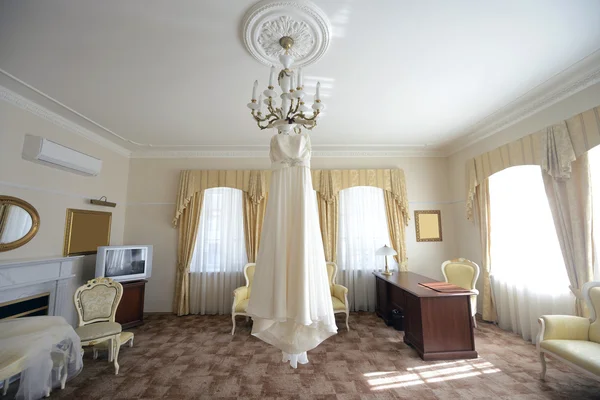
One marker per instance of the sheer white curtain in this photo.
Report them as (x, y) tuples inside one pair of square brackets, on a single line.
[(362, 230), (528, 274), (220, 253), (594, 160)]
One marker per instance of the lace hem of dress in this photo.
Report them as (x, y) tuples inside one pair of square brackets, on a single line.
[(295, 359)]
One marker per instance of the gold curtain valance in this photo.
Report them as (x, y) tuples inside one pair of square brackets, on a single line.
[(582, 129), (256, 183), (329, 183), (253, 182)]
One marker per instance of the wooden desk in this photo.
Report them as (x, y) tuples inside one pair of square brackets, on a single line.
[(438, 325)]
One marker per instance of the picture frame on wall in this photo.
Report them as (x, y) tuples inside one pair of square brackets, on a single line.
[(85, 231), (428, 224)]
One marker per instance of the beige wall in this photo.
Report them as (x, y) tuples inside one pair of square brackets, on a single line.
[(153, 187), (51, 191), (466, 232)]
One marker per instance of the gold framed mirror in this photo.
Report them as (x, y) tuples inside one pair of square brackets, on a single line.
[(19, 222)]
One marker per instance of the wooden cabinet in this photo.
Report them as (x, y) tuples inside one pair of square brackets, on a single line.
[(437, 325), (130, 312)]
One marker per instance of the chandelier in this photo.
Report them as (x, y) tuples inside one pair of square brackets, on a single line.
[(286, 111)]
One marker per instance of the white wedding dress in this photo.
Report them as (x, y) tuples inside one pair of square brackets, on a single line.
[(291, 301)]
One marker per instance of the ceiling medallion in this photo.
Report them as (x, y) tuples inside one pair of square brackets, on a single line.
[(269, 20)]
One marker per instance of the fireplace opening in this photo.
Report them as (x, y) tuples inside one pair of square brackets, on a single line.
[(25, 307)]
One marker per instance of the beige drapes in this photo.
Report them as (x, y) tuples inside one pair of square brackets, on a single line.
[(255, 201), (328, 202), (188, 230), (482, 195), (560, 150), (571, 204), (328, 184), (584, 134), (187, 216), (397, 229), (255, 185)]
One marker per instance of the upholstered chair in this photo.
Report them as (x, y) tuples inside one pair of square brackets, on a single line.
[(464, 273), (339, 293), (241, 295), (96, 303), (573, 340)]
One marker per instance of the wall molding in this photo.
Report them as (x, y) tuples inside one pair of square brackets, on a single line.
[(316, 153), (32, 107), (566, 83)]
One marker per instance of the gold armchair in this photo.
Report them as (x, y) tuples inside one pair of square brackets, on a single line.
[(339, 293), (241, 295), (573, 340), (464, 273), (96, 303)]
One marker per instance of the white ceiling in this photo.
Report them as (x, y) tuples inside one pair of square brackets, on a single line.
[(175, 74)]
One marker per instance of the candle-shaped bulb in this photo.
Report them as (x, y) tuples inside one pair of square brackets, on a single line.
[(292, 81), (254, 90), (318, 92), (260, 103), (300, 80), (272, 76), (285, 83)]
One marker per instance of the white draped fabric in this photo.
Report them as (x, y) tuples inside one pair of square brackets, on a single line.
[(220, 253), (528, 274), (29, 345), (362, 230), (290, 302)]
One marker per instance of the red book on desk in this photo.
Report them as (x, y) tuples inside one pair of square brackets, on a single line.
[(444, 287)]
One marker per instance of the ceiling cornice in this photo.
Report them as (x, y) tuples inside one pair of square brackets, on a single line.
[(30, 106), (570, 81), (316, 153)]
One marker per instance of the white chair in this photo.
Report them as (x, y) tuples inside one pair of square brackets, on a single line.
[(241, 295), (96, 303), (124, 338), (464, 273), (339, 293)]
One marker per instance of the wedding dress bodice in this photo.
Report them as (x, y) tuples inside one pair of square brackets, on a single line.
[(290, 151)]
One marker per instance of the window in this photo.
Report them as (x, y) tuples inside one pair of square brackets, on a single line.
[(220, 252), (594, 160), (362, 230), (528, 274)]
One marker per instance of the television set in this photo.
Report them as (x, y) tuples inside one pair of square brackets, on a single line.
[(124, 263)]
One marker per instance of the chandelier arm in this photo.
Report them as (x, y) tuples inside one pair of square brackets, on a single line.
[(257, 116), (290, 109), (270, 106), (262, 127), (316, 113)]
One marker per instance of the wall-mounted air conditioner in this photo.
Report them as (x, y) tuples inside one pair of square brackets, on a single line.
[(47, 152)]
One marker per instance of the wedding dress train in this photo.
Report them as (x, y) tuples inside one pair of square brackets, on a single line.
[(291, 301)]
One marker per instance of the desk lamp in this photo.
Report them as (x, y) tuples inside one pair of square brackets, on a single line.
[(386, 251)]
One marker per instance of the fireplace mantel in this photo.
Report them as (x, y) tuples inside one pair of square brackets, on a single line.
[(28, 277)]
